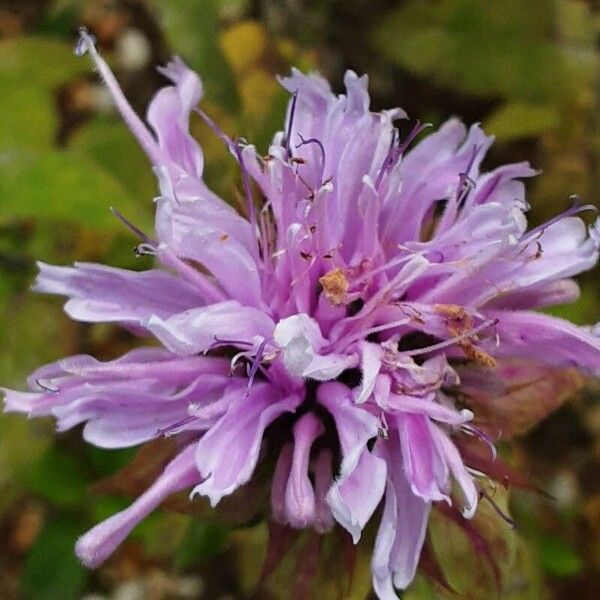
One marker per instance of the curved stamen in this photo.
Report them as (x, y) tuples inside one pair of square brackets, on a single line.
[(455, 340), (288, 133), (215, 128), (355, 336), (87, 45), (47, 387), (136, 230), (465, 183), (570, 212), (236, 149), (227, 342), (416, 130), (249, 199), (484, 437), (256, 363), (175, 427), (388, 160), (145, 249), (497, 509), (306, 142), (394, 262), (394, 154)]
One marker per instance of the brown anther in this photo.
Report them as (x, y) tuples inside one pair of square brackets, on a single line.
[(297, 160), (305, 255), (460, 322), (224, 237), (477, 355), (453, 311), (335, 285), (410, 311), (457, 318)]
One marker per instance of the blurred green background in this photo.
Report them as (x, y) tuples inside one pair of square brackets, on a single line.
[(528, 70)]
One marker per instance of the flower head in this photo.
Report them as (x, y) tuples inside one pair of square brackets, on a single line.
[(335, 319)]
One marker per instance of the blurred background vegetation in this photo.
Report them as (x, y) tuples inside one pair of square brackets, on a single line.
[(528, 70)]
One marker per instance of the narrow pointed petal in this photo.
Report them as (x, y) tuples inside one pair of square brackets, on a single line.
[(169, 113), (371, 364), (300, 502), (279, 483), (135, 124), (555, 341), (354, 498), (197, 329), (227, 454), (99, 543), (355, 426), (459, 472), (401, 531), (105, 294), (424, 465)]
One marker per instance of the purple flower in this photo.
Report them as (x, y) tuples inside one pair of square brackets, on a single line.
[(331, 318)]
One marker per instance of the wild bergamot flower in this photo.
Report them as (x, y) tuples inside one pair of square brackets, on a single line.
[(331, 318)]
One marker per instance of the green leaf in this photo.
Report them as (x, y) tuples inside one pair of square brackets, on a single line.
[(113, 147), (105, 462), (59, 184), (421, 589), (192, 29), (36, 335), (477, 556), (516, 120), (31, 70), (20, 446), (557, 557), (38, 61), (201, 540), (483, 48), (38, 180), (52, 572), (58, 476)]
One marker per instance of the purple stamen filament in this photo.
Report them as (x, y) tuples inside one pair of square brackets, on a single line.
[(570, 212), (256, 363), (288, 134), (497, 509), (484, 437), (136, 230)]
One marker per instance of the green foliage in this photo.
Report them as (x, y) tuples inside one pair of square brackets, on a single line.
[(51, 572), (557, 557), (499, 50), (35, 177), (515, 119), (63, 185), (200, 540), (484, 48), (192, 28), (57, 476), (113, 147)]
